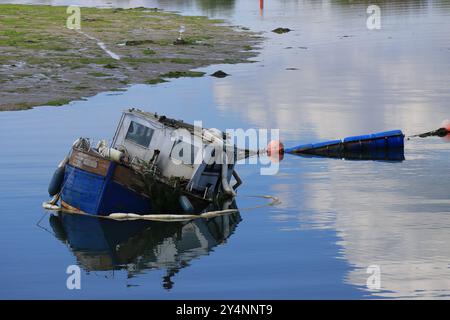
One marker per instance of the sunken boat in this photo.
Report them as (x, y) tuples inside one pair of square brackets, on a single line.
[(153, 165)]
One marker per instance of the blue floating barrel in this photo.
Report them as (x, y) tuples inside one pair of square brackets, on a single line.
[(327, 147), (357, 143), (395, 154), (299, 149), (389, 139)]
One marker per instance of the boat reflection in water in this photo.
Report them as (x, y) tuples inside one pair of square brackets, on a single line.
[(391, 155), (135, 246)]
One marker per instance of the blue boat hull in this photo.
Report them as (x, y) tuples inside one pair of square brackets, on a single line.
[(95, 185), (100, 195)]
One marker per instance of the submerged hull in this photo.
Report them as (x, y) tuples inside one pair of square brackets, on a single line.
[(95, 194), (95, 185)]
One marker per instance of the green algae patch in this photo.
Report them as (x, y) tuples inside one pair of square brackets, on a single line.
[(57, 103), (155, 81)]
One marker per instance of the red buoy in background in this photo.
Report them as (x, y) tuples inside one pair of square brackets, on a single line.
[(275, 150)]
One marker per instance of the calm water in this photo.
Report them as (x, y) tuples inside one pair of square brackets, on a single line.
[(336, 217)]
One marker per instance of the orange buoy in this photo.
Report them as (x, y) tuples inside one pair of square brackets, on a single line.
[(274, 148)]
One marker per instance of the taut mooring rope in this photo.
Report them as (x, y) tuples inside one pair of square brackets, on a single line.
[(441, 132)]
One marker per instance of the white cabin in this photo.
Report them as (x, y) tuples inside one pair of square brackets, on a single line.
[(156, 139)]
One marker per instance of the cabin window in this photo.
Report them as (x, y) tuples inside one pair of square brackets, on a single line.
[(139, 134), (184, 152)]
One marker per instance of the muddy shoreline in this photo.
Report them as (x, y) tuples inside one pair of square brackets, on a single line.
[(43, 63)]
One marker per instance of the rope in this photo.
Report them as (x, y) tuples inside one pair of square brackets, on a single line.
[(441, 132), (118, 216)]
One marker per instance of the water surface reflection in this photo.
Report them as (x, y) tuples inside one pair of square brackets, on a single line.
[(139, 246)]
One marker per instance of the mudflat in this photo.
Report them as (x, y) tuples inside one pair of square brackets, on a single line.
[(43, 62)]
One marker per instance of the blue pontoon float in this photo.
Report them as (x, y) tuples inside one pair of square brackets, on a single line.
[(387, 145)]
